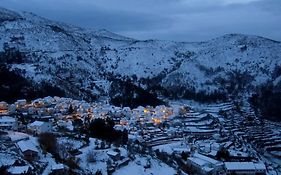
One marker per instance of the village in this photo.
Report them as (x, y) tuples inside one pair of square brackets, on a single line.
[(178, 138)]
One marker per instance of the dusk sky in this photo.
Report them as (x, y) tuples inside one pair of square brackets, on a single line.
[(180, 20)]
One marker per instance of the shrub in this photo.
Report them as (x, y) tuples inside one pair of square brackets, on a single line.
[(48, 142), (91, 157)]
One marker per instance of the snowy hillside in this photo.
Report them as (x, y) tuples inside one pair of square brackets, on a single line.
[(249, 55), (83, 63)]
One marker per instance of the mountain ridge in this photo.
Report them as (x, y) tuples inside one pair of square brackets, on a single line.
[(85, 63)]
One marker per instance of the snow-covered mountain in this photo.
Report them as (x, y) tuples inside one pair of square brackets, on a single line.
[(84, 63)]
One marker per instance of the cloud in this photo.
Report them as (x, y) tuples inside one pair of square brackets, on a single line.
[(181, 20)]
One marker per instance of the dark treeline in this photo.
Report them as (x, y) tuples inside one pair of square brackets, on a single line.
[(267, 101), (191, 94), (104, 129), (13, 86), (125, 93)]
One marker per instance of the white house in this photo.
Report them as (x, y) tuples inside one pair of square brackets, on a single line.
[(40, 127), (113, 155), (48, 100), (38, 103), (3, 105), (12, 108), (28, 149), (65, 124), (58, 169), (31, 110), (204, 165), (20, 103), (8, 123)]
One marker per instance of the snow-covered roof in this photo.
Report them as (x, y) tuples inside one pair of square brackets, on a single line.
[(18, 169), (21, 101), (205, 158), (48, 98), (240, 166), (3, 103), (26, 145), (181, 149), (57, 166), (16, 136), (260, 166), (198, 161), (206, 163), (112, 153), (47, 117), (37, 123), (7, 119), (207, 169)]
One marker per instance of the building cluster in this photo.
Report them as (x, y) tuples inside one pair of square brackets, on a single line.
[(216, 140)]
